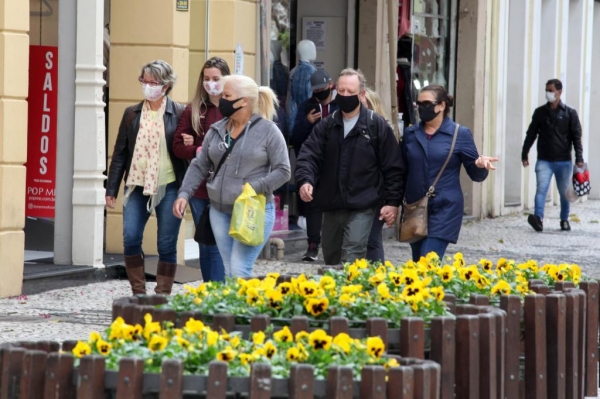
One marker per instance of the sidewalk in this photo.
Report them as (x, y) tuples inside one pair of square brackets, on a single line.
[(72, 313)]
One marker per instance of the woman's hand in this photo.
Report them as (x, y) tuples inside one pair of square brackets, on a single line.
[(485, 162), (188, 139), (179, 207), (111, 202)]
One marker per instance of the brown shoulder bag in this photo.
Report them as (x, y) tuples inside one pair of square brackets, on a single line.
[(414, 216)]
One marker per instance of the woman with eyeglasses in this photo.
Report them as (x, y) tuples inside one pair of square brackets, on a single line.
[(143, 155), (194, 123), (425, 147), (250, 149)]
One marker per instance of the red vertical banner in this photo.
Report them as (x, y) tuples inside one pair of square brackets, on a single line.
[(41, 131)]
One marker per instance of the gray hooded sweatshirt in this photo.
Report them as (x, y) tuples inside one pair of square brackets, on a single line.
[(260, 158)]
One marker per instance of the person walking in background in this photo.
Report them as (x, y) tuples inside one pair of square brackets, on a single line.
[(425, 147), (194, 123), (557, 128), (143, 154), (256, 154), (348, 165), (375, 251), (310, 112)]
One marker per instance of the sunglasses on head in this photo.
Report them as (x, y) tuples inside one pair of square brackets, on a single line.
[(426, 103)]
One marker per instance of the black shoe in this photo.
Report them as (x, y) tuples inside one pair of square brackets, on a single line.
[(536, 222), (311, 253), (564, 225)]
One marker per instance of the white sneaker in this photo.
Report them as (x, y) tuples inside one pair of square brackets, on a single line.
[(302, 222)]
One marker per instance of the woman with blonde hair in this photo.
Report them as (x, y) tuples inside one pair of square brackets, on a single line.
[(245, 147), (193, 126), (372, 101)]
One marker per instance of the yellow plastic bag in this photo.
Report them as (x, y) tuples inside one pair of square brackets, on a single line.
[(248, 218)]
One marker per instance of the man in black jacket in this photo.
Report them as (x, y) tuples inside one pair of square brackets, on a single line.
[(556, 127), (310, 112), (354, 160)]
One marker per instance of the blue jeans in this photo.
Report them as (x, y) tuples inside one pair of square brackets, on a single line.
[(426, 245), (238, 258), (563, 172), (135, 217), (211, 264)]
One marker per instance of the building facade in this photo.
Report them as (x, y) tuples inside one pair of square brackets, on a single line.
[(495, 57)]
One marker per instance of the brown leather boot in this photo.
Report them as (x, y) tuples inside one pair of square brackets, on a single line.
[(165, 275), (134, 265)]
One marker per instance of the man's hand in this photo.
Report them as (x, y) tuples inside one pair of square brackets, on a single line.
[(525, 163), (389, 214), (111, 202), (313, 116), (179, 207), (188, 139), (580, 164), (306, 192)]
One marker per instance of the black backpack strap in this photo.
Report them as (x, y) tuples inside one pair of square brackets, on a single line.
[(372, 133)]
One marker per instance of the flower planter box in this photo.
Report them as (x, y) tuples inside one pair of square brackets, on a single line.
[(31, 370), (547, 341)]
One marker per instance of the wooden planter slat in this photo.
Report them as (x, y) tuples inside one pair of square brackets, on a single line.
[(59, 376), (12, 363), (340, 383), (511, 304), (467, 357), (259, 323), (443, 352), (591, 354), (401, 383), (217, 380), (372, 382), (412, 337), (582, 340), (68, 346), (488, 356), (161, 315), (338, 325), (131, 378), (302, 382), (479, 300), (535, 347), (223, 322), (33, 374), (260, 381), (556, 330), (378, 327), (299, 323), (572, 344), (563, 285), (90, 382), (171, 379)]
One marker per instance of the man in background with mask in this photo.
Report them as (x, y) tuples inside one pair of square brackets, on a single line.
[(556, 127), (311, 111), (351, 165)]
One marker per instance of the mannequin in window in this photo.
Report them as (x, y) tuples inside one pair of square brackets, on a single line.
[(280, 75), (404, 81), (300, 86)]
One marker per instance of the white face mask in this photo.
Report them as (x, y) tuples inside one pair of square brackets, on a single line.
[(213, 88), (550, 96), (152, 93)]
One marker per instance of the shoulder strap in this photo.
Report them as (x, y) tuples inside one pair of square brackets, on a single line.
[(374, 139), (432, 188), (228, 150)]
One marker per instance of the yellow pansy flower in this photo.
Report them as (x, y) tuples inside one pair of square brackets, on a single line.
[(293, 354), (319, 339), (438, 293), (384, 291), (81, 349), (327, 282), (226, 355), (258, 338), (316, 306), (103, 347), (157, 343), (343, 341), (283, 335), (502, 287), (285, 288), (375, 347)]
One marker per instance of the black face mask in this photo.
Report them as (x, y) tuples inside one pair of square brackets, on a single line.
[(427, 112), (226, 107), (322, 95), (347, 104)]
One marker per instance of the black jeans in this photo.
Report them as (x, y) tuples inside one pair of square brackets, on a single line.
[(314, 220), (345, 235), (375, 243)]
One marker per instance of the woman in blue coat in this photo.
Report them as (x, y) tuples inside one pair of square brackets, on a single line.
[(425, 147)]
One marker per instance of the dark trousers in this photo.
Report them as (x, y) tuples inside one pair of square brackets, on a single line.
[(345, 235), (375, 242), (314, 220), (426, 245)]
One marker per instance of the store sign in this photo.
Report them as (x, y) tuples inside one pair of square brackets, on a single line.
[(41, 131), (183, 5), (238, 61)]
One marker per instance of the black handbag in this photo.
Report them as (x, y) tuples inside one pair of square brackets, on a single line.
[(204, 234)]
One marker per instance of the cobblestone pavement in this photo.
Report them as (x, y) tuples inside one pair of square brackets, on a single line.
[(72, 313)]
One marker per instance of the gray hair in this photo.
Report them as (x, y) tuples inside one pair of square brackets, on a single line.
[(358, 73), (161, 71)]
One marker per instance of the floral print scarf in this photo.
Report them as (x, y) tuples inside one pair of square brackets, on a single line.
[(145, 163)]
